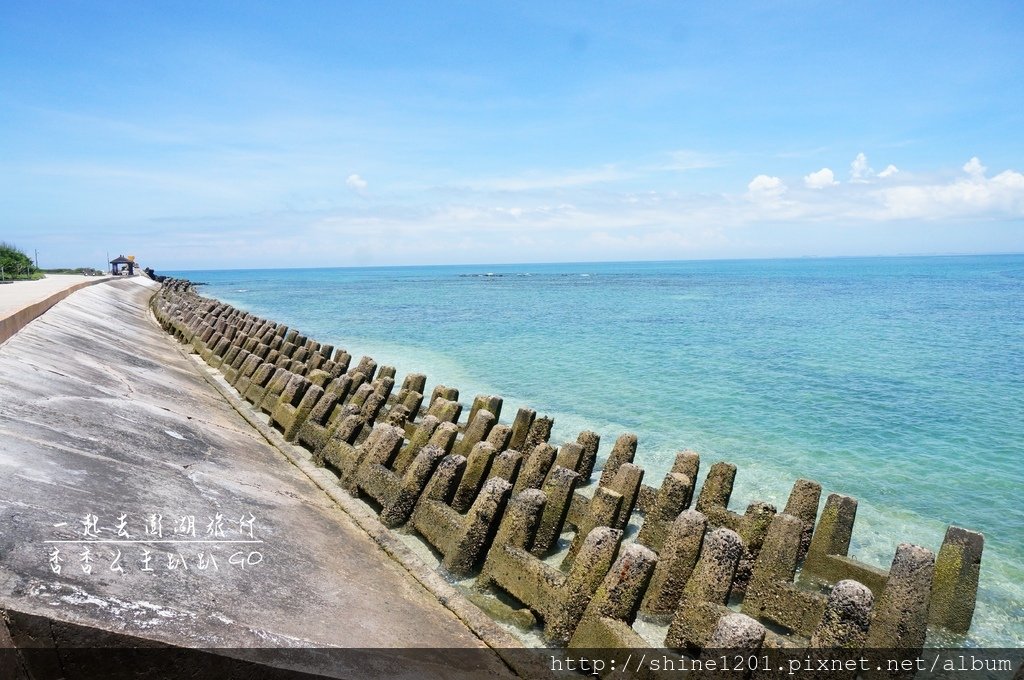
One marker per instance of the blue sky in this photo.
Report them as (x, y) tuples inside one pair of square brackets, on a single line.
[(252, 134)]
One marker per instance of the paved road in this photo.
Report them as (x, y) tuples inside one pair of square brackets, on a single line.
[(20, 294), (101, 416)]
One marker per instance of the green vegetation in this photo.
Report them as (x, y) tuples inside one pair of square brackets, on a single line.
[(15, 264)]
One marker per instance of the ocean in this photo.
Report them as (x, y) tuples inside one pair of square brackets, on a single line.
[(898, 380)]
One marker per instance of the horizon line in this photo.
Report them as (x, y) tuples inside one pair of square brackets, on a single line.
[(578, 262)]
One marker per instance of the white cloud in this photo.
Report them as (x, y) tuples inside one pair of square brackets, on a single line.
[(930, 197), (974, 168), (356, 183), (976, 196), (820, 179), (859, 168), (862, 173), (765, 187), (587, 214)]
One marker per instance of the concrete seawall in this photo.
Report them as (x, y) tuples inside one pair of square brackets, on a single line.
[(135, 502), (30, 299)]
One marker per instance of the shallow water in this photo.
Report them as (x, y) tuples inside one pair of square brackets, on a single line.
[(899, 381)]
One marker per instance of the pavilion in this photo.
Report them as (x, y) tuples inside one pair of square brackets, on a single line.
[(120, 263)]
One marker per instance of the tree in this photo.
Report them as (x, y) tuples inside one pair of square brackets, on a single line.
[(16, 264)]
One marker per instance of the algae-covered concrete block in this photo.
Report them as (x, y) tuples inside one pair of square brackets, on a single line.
[(420, 437), (367, 366), (361, 394), (844, 624), (736, 631), (671, 499), (687, 464), (589, 441), (569, 456), (558, 597), (706, 591), (272, 391), (480, 423), (955, 587), (623, 451), (499, 437), (900, 615), (717, 488), (478, 465), (318, 377), (314, 432), (398, 415), (383, 385), (831, 536), (517, 527), (506, 465), (229, 359), (585, 575), (521, 428), (380, 448), (414, 382), (372, 408), (540, 432), (341, 360), (445, 410), (771, 593), (752, 529), (626, 482), (250, 378), (803, 504), (461, 538), (444, 436), (339, 444), (290, 418), (478, 527), (558, 490), (443, 392), (606, 621), (619, 594), (676, 562), (398, 501), (601, 511), (734, 634), (244, 363), (535, 468), (487, 402)]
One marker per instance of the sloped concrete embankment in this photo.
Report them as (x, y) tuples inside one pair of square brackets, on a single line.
[(27, 303), (137, 504)]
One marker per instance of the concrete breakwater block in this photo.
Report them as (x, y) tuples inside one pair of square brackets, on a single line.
[(504, 502)]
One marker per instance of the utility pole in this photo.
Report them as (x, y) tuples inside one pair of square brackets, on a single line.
[(37, 258)]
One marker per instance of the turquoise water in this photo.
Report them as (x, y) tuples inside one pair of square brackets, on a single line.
[(899, 381)]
